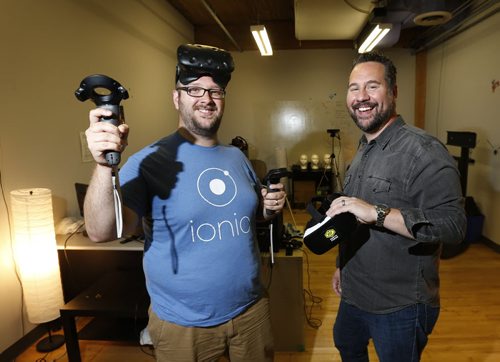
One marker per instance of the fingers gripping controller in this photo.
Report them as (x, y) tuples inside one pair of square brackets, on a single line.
[(273, 177), (106, 93)]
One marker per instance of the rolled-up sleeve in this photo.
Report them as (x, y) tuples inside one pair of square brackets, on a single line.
[(435, 186)]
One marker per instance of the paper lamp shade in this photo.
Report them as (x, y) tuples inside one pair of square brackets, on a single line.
[(35, 252)]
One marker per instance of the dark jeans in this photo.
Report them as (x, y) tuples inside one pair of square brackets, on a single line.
[(398, 337)]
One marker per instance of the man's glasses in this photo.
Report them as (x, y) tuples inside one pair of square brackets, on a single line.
[(199, 92)]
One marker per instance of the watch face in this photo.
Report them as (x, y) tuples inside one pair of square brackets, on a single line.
[(382, 211)]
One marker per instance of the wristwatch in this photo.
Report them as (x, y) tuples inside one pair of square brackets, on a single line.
[(382, 212)]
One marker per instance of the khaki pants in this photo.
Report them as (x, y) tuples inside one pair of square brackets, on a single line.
[(245, 338)]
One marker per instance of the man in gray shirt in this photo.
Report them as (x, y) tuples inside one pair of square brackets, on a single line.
[(404, 189)]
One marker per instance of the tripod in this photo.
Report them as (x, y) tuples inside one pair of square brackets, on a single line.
[(338, 185)]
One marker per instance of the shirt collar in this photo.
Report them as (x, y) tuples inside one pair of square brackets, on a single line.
[(383, 139)]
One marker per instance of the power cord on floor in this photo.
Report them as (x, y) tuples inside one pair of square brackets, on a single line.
[(42, 359), (314, 300), (150, 351), (46, 359), (294, 237)]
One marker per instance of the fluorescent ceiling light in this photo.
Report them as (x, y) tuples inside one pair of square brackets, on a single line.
[(260, 35), (374, 37)]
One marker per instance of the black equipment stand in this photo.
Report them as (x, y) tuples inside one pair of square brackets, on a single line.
[(338, 185)]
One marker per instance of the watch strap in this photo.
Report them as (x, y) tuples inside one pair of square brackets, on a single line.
[(382, 212)]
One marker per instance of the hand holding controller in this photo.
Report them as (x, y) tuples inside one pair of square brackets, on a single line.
[(273, 177), (110, 101)]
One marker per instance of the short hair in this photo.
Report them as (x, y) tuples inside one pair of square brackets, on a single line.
[(390, 69)]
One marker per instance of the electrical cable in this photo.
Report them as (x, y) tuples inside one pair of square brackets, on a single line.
[(151, 348), (66, 258), (42, 359), (271, 243), (356, 8), (271, 259), (117, 202), (312, 322)]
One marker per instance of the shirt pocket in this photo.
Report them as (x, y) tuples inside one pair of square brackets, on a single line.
[(379, 185)]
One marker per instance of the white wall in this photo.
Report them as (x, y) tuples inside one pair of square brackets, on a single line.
[(460, 98), (48, 47)]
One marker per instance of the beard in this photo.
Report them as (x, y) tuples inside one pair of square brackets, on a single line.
[(193, 123), (378, 121)]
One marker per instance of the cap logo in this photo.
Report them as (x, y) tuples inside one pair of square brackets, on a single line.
[(330, 233)]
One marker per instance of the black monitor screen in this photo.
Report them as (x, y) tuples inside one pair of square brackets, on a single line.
[(81, 190)]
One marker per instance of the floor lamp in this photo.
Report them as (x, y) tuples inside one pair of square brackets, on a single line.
[(35, 252)]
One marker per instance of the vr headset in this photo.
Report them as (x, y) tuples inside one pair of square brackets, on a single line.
[(323, 232), (195, 61)]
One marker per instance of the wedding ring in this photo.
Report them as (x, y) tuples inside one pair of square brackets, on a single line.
[(276, 202), (343, 202)]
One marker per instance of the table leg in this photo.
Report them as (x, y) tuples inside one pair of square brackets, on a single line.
[(71, 336)]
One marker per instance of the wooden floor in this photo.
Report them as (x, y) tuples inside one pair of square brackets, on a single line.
[(468, 329)]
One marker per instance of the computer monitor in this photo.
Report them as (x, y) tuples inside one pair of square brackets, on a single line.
[(81, 190)]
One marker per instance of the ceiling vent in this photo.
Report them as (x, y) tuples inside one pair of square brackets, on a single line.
[(422, 12), (432, 18)]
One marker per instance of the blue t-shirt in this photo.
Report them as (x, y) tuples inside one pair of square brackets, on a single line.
[(198, 205)]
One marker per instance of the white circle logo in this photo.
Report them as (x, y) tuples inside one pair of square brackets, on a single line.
[(216, 187)]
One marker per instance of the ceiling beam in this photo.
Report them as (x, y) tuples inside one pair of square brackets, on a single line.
[(219, 22)]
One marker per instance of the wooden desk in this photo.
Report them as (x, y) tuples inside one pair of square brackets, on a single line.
[(285, 286), (81, 242), (119, 294), (83, 262), (102, 280), (106, 279)]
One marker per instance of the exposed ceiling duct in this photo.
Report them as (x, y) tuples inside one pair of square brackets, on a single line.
[(422, 12), (429, 21), (330, 20), (350, 19), (465, 15), (330, 24)]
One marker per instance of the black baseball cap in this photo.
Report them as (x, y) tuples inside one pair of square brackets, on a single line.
[(323, 232)]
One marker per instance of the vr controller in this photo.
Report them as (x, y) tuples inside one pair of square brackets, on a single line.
[(273, 177), (92, 88)]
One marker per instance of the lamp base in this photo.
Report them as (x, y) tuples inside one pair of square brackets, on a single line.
[(50, 343)]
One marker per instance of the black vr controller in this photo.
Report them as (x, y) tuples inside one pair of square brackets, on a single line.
[(273, 177), (93, 88)]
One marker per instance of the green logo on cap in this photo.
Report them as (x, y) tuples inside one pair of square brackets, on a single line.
[(330, 233)]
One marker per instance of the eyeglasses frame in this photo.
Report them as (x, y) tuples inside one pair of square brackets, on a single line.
[(205, 90)]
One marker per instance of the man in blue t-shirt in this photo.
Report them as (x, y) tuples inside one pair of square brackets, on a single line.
[(198, 202)]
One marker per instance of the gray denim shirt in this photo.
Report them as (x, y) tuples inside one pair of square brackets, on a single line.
[(407, 169)]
